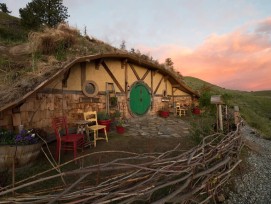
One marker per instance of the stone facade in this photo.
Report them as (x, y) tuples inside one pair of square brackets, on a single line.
[(37, 111)]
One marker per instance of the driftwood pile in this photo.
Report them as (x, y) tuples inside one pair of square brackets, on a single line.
[(195, 176)]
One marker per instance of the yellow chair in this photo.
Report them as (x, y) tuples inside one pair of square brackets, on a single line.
[(91, 117), (179, 110)]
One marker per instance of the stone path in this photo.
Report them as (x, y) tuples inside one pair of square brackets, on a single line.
[(153, 126), (254, 186)]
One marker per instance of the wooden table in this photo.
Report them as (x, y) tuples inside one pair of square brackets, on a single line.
[(81, 128)]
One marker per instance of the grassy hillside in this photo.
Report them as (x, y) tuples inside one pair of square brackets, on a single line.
[(255, 107), (11, 30)]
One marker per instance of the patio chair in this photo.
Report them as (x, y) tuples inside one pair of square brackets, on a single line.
[(91, 117), (180, 110), (66, 141)]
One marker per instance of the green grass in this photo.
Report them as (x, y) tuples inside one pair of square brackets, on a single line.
[(11, 30), (255, 107)]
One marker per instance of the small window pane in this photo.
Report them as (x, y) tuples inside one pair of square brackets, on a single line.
[(90, 88)]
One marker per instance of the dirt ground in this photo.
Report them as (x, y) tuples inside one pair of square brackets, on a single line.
[(115, 148)]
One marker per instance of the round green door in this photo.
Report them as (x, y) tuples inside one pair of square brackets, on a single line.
[(140, 99)]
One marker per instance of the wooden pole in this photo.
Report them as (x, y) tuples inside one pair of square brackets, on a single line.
[(13, 175), (217, 118), (220, 117)]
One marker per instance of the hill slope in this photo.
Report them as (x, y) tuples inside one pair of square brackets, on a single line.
[(11, 29), (255, 106)]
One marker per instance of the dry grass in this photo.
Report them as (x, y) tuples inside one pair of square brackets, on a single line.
[(50, 40)]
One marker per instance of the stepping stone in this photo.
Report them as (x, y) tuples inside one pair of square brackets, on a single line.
[(175, 135), (159, 133), (165, 136)]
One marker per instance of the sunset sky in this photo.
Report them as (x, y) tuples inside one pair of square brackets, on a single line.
[(224, 42)]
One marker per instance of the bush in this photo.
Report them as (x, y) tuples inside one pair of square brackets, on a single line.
[(201, 126)]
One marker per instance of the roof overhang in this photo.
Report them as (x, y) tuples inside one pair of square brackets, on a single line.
[(178, 83)]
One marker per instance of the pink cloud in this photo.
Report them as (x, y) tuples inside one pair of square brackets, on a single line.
[(238, 60)]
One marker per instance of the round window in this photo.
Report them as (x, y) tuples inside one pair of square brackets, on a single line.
[(90, 88)]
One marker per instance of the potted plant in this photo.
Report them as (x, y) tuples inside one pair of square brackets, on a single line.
[(23, 147), (196, 110), (115, 115), (104, 119), (164, 112), (119, 126)]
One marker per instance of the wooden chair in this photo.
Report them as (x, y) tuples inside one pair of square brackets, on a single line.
[(66, 141), (177, 108), (91, 117), (180, 110)]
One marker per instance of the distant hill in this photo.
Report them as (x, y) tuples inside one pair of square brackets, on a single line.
[(11, 30), (198, 84), (262, 93), (255, 107)]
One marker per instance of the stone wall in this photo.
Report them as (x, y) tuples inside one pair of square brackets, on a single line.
[(38, 110)]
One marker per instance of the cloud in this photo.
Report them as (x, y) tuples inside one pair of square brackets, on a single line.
[(238, 60), (264, 26)]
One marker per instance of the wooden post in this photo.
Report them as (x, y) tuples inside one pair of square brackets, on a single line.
[(13, 175), (220, 117)]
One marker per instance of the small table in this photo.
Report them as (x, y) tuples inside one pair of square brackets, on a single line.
[(81, 127)]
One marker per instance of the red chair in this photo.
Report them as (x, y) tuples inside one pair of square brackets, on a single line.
[(67, 141)]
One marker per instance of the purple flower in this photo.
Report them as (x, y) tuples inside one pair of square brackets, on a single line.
[(18, 138), (23, 132), (28, 137)]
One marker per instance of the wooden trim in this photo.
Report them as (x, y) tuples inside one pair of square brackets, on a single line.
[(94, 84), (112, 76), (152, 74), (126, 78), (98, 63), (124, 63), (146, 73), (165, 80), (65, 79), (172, 94), (159, 84), (133, 69), (83, 66), (155, 72), (59, 91), (176, 86)]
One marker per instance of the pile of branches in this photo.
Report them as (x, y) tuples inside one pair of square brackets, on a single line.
[(194, 176)]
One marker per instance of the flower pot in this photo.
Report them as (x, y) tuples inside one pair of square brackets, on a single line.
[(196, 111), (120, 129), (24, 155), (164, 114), (106, 123)]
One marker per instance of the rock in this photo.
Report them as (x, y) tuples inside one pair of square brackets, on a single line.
[(221, 198), (3, 49)]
